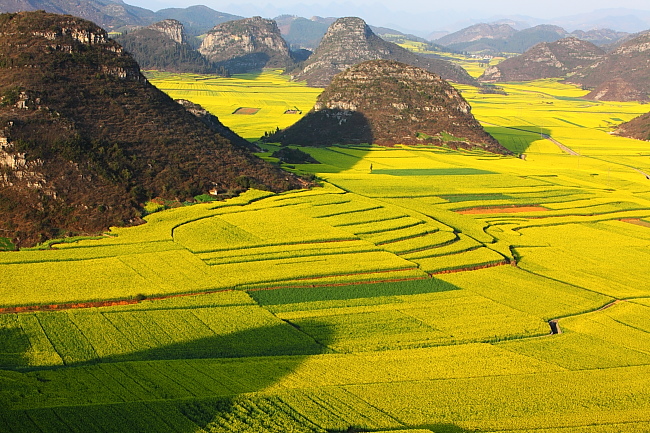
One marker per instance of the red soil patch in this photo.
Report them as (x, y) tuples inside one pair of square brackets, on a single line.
[(636, 221), (246, 110), (509, 209)]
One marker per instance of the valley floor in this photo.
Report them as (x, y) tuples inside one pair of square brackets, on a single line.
[(419, 289)]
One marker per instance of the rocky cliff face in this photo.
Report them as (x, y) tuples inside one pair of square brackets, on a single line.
[(85, 139), (350, 41), (172, 28), (630, 62), (246, 45), (387, 102), (545, 60)]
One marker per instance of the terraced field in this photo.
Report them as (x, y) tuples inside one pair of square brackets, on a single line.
[(414, 296)]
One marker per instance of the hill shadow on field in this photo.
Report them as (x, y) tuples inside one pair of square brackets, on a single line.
[(184, 385), (326, 127), (248, 63), (358, 291), (217, 383), (518, 139)]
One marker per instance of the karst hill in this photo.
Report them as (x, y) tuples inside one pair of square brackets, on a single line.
[(350, 41), (164, 46), (85, 139), (545, 60), (387, 102), (246, 45)]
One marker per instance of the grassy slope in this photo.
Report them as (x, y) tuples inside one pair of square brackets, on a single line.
[(465, 351)]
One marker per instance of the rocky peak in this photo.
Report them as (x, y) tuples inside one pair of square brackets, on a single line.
[(387, 102), (351, 28), (172, 28), (349, 41), (248, 44)]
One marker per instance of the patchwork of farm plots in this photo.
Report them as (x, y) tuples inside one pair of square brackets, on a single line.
[(250, 104), (412, 291)]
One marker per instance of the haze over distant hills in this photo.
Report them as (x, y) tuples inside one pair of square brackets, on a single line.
[(197, 18), (504, 38), (443, 17)]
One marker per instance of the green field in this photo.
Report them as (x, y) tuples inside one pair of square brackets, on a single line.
[(415, 296)]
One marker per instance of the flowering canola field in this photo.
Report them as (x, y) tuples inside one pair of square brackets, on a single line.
[(438, 291)]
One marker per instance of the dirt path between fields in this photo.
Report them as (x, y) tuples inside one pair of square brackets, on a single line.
[(560, 145), (555, 325), (647, 176)]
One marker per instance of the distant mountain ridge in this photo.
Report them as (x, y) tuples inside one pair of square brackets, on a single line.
[(109, 14), (503, 38), (350, 41), (117, 15)]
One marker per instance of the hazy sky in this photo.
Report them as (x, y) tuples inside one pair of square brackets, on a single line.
[(419, 15), (542, 9)]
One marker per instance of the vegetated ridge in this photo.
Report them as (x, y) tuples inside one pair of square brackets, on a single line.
[(350, 41), (545, 60), (163, 46), (86, 139), (638, 128), (629, 64), (246, 45), (387, 102)]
